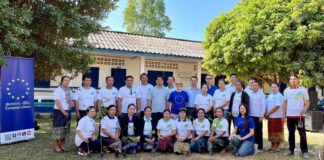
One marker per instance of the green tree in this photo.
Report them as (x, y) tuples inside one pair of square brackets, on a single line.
[(53, 32), (146, 17), (269, 39)]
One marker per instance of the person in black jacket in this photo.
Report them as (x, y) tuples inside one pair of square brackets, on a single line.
[(129, 134), (147, 131), (237, 98)]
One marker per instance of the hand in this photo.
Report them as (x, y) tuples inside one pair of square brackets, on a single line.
[(138, 113), (267, 114), (261, 119), (284, 118), (302, 112), (86, 140), (78, 115), (65, 114), (240, 138), (196, 139), (160, 137), (94, 137), (180, 139), (230, 137), (120, 114), (212, 139)]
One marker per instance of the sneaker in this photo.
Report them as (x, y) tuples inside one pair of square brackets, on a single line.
[(305, 155), (256, 149), (211, 152), (82, 153), (289, 153)]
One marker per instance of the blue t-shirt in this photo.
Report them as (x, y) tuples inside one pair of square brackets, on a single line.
[(239, 122), (178, 100), (212, 89)]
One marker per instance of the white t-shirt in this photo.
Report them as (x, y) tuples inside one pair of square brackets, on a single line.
[(183, 128), (166, 127), (220, 126), (200, 127), (231, 88), (273, 100), (108, 96), (111, 125), (257, 103), (87, 127), (144, 92), (237, 100), (63, 96), (147, 126), (204, 102), (295, 100), (221, 97), (85, 97), (128, 96)]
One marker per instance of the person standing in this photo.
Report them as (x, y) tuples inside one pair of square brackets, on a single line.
[(107, 96), (158, 100), (171, 82), (62, 114), (192, 92), (177, 100), (249, 89), (144, 89), (84, 97), (231, 86), (128, 95), (221, 98), (274, 116), (296, 103), (211, 88), (257, 110)]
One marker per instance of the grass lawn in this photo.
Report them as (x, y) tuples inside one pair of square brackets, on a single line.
[(42, 148)]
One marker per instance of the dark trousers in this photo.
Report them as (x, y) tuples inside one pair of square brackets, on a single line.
[(258, 138), (93, 145), (292, 123), (156, 117), (82, 114)]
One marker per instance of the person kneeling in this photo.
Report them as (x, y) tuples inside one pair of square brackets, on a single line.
[(147, 131), (184, 133), (110, 130), (202, 131), (243, 142), (85, 138), (218, 139), (166, 129)]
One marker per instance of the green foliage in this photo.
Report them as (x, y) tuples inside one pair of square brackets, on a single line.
[(52, 32), (270, 39), (146, 17)]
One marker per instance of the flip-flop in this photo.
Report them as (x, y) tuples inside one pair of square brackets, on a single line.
[(58, 151)]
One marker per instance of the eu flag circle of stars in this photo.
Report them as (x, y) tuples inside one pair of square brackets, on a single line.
[(12, 82)]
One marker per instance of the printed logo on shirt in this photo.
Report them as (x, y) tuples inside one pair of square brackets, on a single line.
[(186, 125), (92, 93), (208, 100), (169, 126), (113, 93), (298, 95), (223, 95)]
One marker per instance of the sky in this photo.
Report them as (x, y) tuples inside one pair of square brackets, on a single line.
[(189, 18)]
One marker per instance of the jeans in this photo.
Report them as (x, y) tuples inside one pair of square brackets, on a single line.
[(218, 144), (200, 145), (291, 124), (242, 148), (258, 138)]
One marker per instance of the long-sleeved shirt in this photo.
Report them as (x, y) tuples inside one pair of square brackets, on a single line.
[(258, 103)]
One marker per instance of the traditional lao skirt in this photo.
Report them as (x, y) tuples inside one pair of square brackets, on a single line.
[(275, 130)]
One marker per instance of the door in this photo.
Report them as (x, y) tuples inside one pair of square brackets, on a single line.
[(119, 75), (153, 74)]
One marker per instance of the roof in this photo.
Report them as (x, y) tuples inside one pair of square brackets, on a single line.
[(122, 41)]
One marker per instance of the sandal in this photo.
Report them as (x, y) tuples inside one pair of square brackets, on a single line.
[(58, 150)]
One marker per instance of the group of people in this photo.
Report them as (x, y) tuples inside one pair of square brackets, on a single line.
[(170, 119)]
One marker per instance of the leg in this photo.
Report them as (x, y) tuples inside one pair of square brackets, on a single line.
[(236, 143), (291, 125), (303, 138), (195, 146), (203, 143), (246, 148), (210, 146)]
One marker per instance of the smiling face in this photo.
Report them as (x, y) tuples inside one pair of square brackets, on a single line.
[(274, 88), (166, 115), (179, 85), (219, 113), (131, 110), (209, 79), (65, 82), (182, 114), (110, 82), (129, 82), (204, 89), (148, 112), (233, 79), (242, 110), (92, 113), (193, 82), (201, 114), (255, 86), (221, 85), (144, 79), (112, 111), (87, 82), (293, 81), (238, 86)]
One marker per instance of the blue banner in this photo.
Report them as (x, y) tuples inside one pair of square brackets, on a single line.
[(17, 120)]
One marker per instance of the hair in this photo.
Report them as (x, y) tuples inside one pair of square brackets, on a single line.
[(241, 83), (143, 74), (209, 75), (85, 77), (294, 75), (171, 77), (257, 83), (233, 74), (159, 77), (193, 77), (223, 80), (252, 78), (204, 84), (62, 78), (201, 109), (275, 83), (166, 110), (146, 108), (129, 77), (132, 104), (246, 122), (89, 108), (109, 77), (222, 109)]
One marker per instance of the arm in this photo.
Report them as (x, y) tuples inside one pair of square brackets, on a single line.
[(263, 107), (284, 110), (82, 137), (119, 106), (234, 131), (273, 110), (59, 106), (248, 135), (138, 105), (106, 132), (169, 105)]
